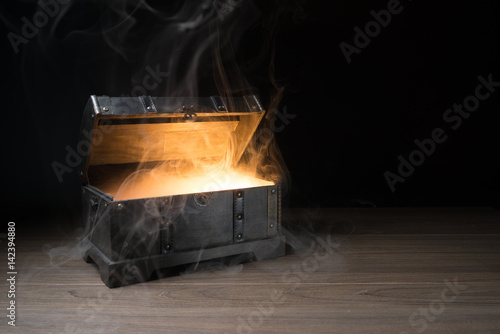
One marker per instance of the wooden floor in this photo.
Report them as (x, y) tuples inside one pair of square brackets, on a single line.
[(380, 270)]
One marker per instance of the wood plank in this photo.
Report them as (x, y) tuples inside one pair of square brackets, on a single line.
[(395, 272), (218, 308), (129, 143), (359, 259)]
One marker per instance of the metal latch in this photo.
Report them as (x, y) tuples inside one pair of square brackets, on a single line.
[(189, 114)]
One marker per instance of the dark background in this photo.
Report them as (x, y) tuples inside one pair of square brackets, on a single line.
[(352, 120)]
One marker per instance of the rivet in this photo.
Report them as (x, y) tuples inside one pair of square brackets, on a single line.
[(273, 191), (148, 108), (239, 236), (239, 217), (239, 194), (125, 244), (271, 226), (105, 204), (105, 108), (120, 206), (167, 247)]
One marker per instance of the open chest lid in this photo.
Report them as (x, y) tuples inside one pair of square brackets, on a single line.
[(124, 131)]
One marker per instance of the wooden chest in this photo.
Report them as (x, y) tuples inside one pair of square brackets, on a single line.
[(163, 185)]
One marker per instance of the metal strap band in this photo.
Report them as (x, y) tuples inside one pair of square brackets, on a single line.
[(167, 238), (238, 216), (219, 104), (272, 211), (147, 103)]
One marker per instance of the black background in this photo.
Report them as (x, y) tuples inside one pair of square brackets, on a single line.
[(352, 120)]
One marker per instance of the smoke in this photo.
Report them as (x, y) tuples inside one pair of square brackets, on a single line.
[(179, 35), (196, 47)]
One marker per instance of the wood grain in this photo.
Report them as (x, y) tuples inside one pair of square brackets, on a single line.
[(129, 143), (404, 270)]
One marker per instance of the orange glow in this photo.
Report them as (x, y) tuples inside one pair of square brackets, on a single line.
[(177, 157), (146, 184)]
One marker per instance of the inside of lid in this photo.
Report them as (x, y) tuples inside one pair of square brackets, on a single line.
[(169, 155)]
